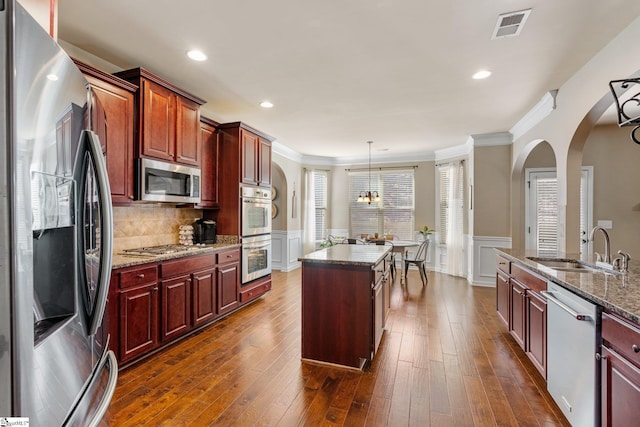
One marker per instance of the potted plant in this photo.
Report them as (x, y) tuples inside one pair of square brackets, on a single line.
[(425, 231)]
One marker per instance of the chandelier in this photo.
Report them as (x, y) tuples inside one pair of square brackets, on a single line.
[(369, 196), (628, 107)]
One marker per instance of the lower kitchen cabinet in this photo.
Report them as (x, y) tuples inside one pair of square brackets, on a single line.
[(228, 280), (255, 289), (176, 307), (522, 308), (138, 321), (204, 297), (154, 304), (620, 370)]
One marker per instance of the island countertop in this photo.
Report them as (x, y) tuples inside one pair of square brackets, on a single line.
[(348, 255), (619, 293)]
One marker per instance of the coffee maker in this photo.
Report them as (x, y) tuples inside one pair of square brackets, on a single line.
[(204, 231)]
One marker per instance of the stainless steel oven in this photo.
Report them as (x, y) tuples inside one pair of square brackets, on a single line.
[(256, 211), (256, 257)]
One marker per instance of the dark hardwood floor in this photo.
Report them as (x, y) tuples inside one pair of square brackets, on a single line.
[(444, 360)]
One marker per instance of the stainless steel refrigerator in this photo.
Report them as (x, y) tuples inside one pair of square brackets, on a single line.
[(55, 234)]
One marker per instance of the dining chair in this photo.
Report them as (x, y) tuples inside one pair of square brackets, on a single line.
[(419, 260), (355, 241)]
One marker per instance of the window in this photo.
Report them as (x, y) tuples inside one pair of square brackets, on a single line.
[(394, 214), (446, 179), (542, 209), (320, 185)]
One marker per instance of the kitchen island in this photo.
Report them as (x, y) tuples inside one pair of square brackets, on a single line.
[(345, 298)]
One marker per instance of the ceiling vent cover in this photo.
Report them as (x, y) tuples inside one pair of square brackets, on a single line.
[(510, 24)]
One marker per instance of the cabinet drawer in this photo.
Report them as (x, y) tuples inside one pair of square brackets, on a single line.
[(622, 336), (186, 265), (503, 264), (527, 278), (225, 257), (255, 292), (140, 276)]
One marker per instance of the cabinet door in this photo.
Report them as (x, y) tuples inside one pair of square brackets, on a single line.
[(187, 132), (264, 177), (118, 107), (158, 118), (620, 390), (536, 324), (204, 297), (138, 321), (503, 293), (228, 284), (176, 307), (250, 144), (209, 166), (517, 314)]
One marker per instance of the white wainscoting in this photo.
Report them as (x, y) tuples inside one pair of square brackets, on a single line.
[(286, 247), (483, 263)]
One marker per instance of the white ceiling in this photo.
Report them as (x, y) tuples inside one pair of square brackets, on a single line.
[(342, 72)]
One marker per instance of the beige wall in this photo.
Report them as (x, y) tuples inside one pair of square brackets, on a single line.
[(541, 156), (492, 182), (279, 186), (291, 180), (615, 160), (579, 104)]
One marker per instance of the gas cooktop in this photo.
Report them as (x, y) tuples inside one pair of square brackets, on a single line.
[(161, 250)]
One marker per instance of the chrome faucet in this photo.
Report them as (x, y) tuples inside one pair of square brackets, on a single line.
[(607, 244)]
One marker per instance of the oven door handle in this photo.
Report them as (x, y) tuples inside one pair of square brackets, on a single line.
[(257, 246)]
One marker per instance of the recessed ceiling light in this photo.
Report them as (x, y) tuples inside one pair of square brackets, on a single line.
[(52, 77), (266, 104), (482, 74), (197, 55)]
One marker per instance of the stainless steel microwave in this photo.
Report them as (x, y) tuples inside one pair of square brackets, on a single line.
[(168, 182)]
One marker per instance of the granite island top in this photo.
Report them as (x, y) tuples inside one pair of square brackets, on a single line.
[(348, 255), (121, 260), (618, 293)]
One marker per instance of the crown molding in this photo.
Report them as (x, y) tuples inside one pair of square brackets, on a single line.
[(542, 109), (490, 139)]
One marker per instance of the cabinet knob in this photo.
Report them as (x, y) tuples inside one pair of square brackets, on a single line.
[(155, 289), (635, 348), (600, 357), (141, 276)]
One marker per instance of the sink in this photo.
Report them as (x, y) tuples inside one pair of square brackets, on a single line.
[(571, 265)]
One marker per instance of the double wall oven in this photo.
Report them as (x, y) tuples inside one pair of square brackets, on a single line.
[(256, 232)]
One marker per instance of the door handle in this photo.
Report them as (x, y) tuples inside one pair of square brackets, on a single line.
[(572, 312)]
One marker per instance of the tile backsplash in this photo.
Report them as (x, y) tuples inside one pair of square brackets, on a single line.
[(149, 225)]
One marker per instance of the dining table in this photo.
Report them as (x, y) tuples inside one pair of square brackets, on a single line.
[(401, 247)]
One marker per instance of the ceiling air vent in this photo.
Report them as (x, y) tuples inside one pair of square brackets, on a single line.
[(510, 24)]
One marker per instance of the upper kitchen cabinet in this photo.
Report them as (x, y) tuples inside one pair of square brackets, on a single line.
[(116, 97), (250, 149), (209, 165), (168, 119)]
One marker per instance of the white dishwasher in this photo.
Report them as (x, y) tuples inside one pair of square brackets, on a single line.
[(572, 336)]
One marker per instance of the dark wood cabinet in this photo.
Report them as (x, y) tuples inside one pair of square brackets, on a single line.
[(620, 371), (116, 98), (176, 307), (209, 165), (138, 321), (228, 280), (204, 297), (503, 292), (168, 119), (522, 308), (517, 312), (245, 154), (536, 331), (255, 289)]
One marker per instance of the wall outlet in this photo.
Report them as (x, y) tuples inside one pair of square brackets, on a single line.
[(605, 223)]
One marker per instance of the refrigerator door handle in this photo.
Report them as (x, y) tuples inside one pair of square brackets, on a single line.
[(95, 151)]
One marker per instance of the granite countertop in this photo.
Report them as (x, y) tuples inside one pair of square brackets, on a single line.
[(348, 255), (619, 293), (121, 260)]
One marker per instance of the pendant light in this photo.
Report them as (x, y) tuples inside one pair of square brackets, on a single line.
[(369, 196)]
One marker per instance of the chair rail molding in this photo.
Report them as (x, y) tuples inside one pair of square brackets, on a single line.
[(483, 262), (286, 247)]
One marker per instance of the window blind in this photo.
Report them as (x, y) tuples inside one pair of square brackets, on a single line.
[(445, 182), (394, 214), (547, 214), (320, 185)]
